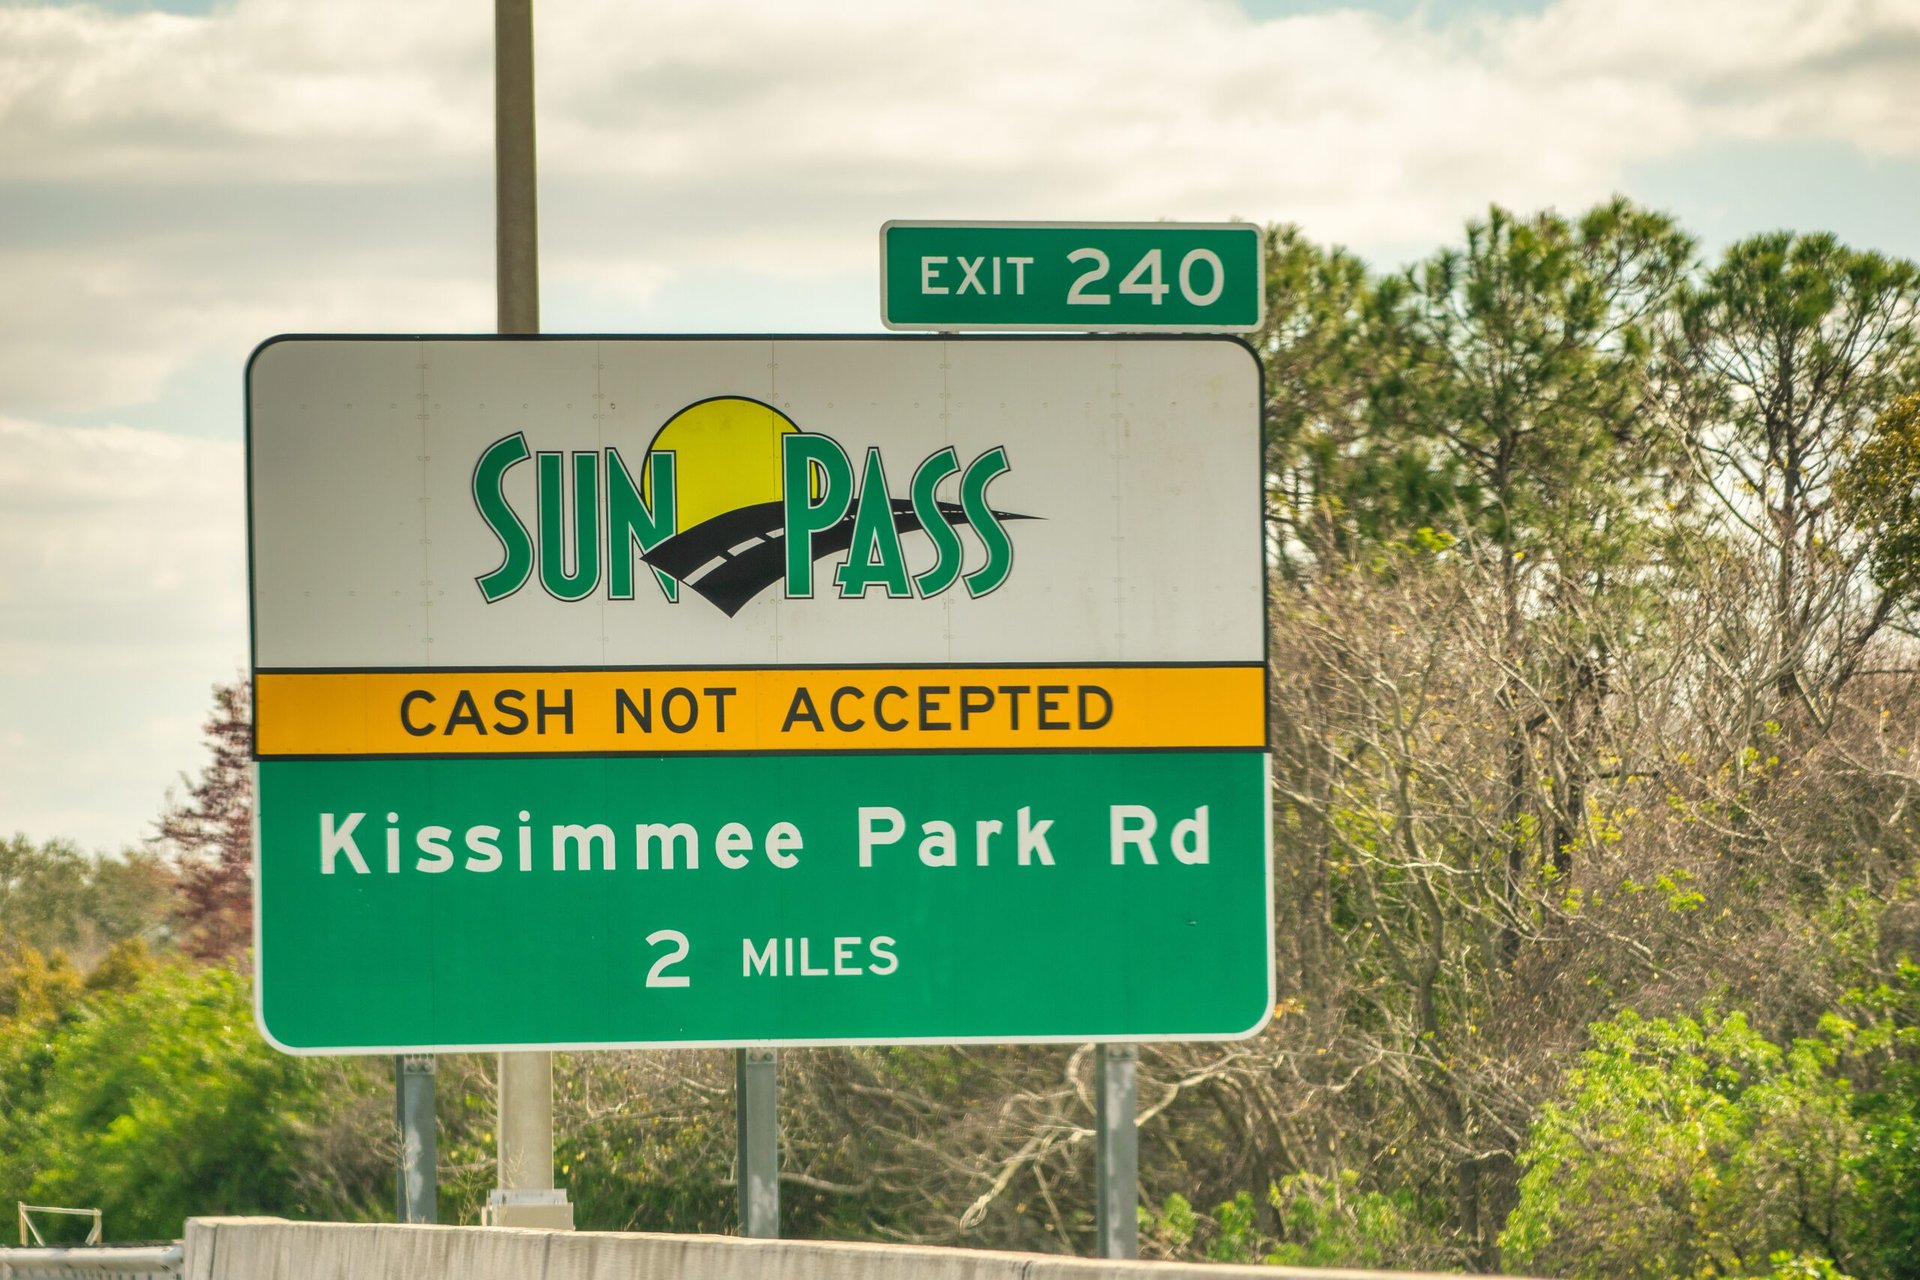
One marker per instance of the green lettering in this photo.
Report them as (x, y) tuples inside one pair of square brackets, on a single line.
[(973, 500), (631, 523), (802, 456), (584, 551), (875, 558), (946, 543), (490, 498)]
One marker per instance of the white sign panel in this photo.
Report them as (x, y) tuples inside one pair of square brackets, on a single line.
[(443, 502)]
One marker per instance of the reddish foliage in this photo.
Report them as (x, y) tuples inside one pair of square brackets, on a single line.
[(212, 835)]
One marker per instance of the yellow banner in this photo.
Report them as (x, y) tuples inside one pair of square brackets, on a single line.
[(466, 713)]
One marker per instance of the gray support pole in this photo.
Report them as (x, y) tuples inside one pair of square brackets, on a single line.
[(1116, 1092), (525, 1195), (757, 1168), (526, 1121), (516, 218), (416, 1193)]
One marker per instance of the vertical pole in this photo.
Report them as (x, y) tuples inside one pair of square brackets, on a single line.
[(1116, 1092), (516, 220), (757, 1167), (525, 1194), (526, 1121), (415, 1192)]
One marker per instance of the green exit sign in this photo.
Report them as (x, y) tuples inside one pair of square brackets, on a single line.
[(1159, 276)]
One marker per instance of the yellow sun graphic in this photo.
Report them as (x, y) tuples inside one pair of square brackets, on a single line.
[(726, 456)]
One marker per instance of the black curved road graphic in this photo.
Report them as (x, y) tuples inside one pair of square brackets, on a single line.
[(737, 554)]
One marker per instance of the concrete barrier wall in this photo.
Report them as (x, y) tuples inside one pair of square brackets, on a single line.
[(91, 1262), (271, 1249)]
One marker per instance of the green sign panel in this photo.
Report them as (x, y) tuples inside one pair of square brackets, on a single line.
[(1157, 276), (721, 901)]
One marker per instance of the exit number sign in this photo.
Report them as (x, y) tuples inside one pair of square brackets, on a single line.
[(1160, 276)]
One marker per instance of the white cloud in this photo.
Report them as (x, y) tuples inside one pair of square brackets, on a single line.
[(298, 90), (123, 600), (280, 164), (110, 322), (112, 518), (1776, 70)]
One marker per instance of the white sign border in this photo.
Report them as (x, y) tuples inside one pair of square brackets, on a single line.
[(1265, 752)]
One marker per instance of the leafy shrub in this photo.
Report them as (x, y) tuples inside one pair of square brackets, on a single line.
[(154, 1098), (1687, 1147)]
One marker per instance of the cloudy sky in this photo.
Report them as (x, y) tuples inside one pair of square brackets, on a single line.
[(180, 179)]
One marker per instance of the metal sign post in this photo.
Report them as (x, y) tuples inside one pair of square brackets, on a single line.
[(757, 1146), (1116, 1094), (415, 1185), (526, 1079)]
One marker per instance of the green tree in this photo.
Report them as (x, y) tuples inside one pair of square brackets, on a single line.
[(1516, 368), (159, 1099), (43, 894), (1340, 479), (53, 897), (1692, 1147), (35, 985), (1530, 354), (1798, 344), (1888, 1105), (1879, 488), (1306, 1221)]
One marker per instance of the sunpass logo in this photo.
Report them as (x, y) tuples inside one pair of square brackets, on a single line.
[(731, 498)]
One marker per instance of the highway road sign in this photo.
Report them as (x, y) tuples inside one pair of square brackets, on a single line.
[(724, 691), (1168, 277)]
